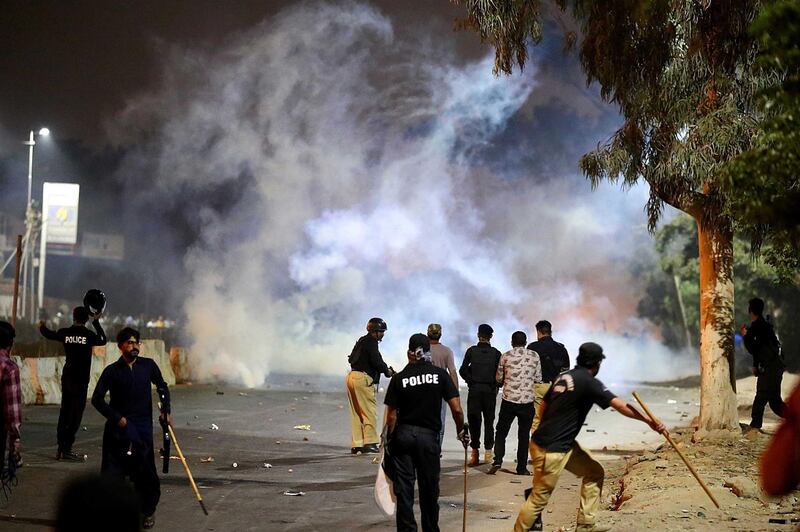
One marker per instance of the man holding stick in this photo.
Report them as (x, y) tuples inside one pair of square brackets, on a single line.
[(553, 446), (128, 434)]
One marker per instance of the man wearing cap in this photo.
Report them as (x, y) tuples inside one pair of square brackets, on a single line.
[(78, 342), (518, 372), (442, 357), (478, 369), (412, 418), (128, 434), (366, 366), (554, 359), (553, 446)]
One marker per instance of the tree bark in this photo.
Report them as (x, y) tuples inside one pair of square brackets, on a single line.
[(718, 409)]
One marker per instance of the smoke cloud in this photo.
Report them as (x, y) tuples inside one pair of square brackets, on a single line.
[(335, 171)]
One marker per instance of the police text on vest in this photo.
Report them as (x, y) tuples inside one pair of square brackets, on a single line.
[(416, 380)]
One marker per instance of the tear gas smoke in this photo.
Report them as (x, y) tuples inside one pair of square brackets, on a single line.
[(355, 166)]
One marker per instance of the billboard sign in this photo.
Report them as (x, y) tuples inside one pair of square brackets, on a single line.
[(60, 212)]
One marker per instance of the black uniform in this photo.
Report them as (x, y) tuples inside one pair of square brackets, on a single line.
[(131, 398), (78, 342), (366, 357), (478, 369), (762, 343), (568, 402), (417, 393), (552, 355)]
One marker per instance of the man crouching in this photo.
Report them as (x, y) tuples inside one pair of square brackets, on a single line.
[(128, 434)]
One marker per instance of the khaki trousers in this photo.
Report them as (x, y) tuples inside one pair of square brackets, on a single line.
[(362, 397), (547, 467), (540, 390)]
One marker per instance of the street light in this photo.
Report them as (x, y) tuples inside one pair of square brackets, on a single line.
[(30, 222)]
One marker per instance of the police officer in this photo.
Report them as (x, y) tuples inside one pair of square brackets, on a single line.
[(413, 401), (478, 370), (554, 359), (366, 366), (761, 342), (78, 343)]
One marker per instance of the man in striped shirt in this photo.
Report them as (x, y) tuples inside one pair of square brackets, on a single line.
[(10, 399)]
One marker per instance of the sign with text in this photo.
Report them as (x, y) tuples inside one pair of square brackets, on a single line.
[(60, 212)]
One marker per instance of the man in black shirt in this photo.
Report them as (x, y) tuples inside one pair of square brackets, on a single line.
[(761, 342), (478, 369), (554, 359), (413, 401), (128, 434), (78, 343), (366, 366), (553, 446)]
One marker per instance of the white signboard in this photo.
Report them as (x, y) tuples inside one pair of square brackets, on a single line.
[(60, 212)]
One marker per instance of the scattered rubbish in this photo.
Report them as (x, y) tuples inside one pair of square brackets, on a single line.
[(292, 493), (701, 514), (235, 464), (499, 516), (291, 470), (199, 437), (278, 442), (214, 426), (173, 457), (220, 393), (672, 402), (302, 427), (197, 417), (85, 429), (515, 481), (453, 505), (743, 487), (243, 394), (305, 438), (207, 460), (783, 521), (267, 465), (590, 430)]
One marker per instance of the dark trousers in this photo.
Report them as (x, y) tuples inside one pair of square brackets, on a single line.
[(139, 466), (416, 457), (69, 418), (768, 390), (523, 413), (481, 403)]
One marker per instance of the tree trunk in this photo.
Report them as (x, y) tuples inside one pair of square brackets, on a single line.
[(717, 381)]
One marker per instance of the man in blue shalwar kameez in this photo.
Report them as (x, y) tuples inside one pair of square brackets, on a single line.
[(128, 435)]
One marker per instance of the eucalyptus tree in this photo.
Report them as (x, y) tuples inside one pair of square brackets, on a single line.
[(682, 74)]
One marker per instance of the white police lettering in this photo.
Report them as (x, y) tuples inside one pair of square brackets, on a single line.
[(565, 383), (75, 340), (425, 378)]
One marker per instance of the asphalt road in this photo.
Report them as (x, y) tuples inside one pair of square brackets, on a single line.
[(256, 427)]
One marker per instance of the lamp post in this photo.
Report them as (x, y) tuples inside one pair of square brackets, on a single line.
[(30, 236)]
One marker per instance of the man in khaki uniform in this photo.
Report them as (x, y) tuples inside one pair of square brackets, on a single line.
[(366, 366), (553, 446)]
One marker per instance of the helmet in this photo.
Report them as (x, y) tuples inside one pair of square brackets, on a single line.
[(485, 330), (376, 325), (94, 301)]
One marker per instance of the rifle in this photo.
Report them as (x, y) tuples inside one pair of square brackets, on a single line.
[(165, 449)]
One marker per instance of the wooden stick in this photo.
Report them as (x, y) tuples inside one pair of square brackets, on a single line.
[(464, 518), (16, 282), (186, 467), (665, 433)]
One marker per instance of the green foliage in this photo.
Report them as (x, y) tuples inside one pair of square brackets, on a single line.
[(676, 248), (764, 181)]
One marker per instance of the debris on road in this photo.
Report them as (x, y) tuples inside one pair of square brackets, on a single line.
[(207, 460), (292, 493), (302, 427), (267, 465), (220, 393), (235, 465), (214, 426)]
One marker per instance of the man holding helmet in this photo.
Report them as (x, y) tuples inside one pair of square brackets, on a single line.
[(366, 366), (78, 342)]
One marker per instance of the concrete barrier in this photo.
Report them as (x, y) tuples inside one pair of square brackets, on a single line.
[(40, 378)]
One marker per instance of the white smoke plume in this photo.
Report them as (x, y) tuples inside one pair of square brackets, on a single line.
[(349, 162)]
